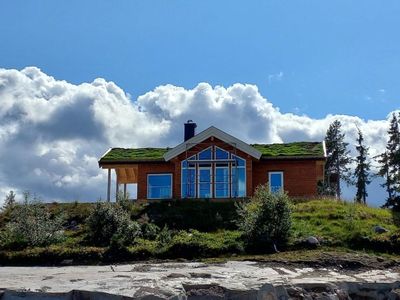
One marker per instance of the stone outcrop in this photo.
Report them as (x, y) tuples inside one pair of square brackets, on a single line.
[(321, 291)]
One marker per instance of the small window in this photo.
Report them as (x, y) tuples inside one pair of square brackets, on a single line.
[(159, 186), (275, 180)]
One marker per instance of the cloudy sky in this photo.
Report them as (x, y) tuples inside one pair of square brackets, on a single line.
[(77, 78)]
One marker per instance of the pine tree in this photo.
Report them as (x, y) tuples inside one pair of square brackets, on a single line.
[(338, 157), (390, 164), (361, 173), (9, 201)]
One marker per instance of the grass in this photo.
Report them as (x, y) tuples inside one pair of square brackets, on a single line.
[(138, 154), (341, 227), (267, 150), (291, 149), (339, 223)]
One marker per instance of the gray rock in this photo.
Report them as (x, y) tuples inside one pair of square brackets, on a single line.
[(281, 292), (379, 229), (67, 262), (267, 292), (312, 240)]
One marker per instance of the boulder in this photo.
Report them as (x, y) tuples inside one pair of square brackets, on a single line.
[(312, 241), (379, 229), (267, 292)]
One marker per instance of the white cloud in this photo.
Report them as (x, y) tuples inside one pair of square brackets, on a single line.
[(53, 132)]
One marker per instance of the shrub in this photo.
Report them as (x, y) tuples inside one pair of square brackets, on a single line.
[(31, 224), (164, 237), (150, 231), (266, 219), (107, 219), (195, 244)]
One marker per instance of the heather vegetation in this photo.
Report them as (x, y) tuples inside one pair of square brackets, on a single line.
[(32, 232)]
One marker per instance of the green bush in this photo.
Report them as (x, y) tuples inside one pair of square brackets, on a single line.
[(109, 219), (31, 224), (194, 244), (52, 255), (265, 220), (164, 237)]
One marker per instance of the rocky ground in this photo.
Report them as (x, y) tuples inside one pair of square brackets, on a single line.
[(336, 277)]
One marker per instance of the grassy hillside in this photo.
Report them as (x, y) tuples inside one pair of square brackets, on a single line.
[(205, 229), (338, 223)]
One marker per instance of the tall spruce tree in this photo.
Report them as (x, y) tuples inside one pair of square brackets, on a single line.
[(390, 164), (338, 158), (361, 172), (9, 201)]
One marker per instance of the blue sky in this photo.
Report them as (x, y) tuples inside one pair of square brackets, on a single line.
[(310, 58), (307, 57)]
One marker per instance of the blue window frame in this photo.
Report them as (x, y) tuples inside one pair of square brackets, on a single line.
[(159, 186), (275, 180)]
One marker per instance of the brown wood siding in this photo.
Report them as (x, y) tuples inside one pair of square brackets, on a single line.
[(153, 168), (299, 176)]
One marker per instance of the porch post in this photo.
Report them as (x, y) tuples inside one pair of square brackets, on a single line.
[(109, 186), (124, 190)]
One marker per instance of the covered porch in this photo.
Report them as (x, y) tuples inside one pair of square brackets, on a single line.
[(124, 175)]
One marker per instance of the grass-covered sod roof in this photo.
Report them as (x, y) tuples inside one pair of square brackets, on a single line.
[(137, 154), (299, 149)]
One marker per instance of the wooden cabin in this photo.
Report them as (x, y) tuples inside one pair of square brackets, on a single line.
[(216, 165)]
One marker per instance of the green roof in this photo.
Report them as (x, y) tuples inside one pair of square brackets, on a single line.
[(297, 149), (137, 154), (289, 150)]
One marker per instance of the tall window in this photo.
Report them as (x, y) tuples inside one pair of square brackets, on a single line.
[(238, 177), (159, 186), (275, 180), (221, 180), (188, 178), (213, 172)]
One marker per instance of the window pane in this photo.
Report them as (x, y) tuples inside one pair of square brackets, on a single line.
[(222, 182), (238, 182), (275, 182), (221, 154), (204, 183), (206, 154), (239, 161), (159, 186), (188, 183)]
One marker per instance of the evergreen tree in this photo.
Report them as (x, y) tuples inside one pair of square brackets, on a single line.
[(9, 201), (390, 164), (338, 158), (361, 173)]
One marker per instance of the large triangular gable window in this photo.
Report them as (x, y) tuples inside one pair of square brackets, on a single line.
[(214, 172)]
